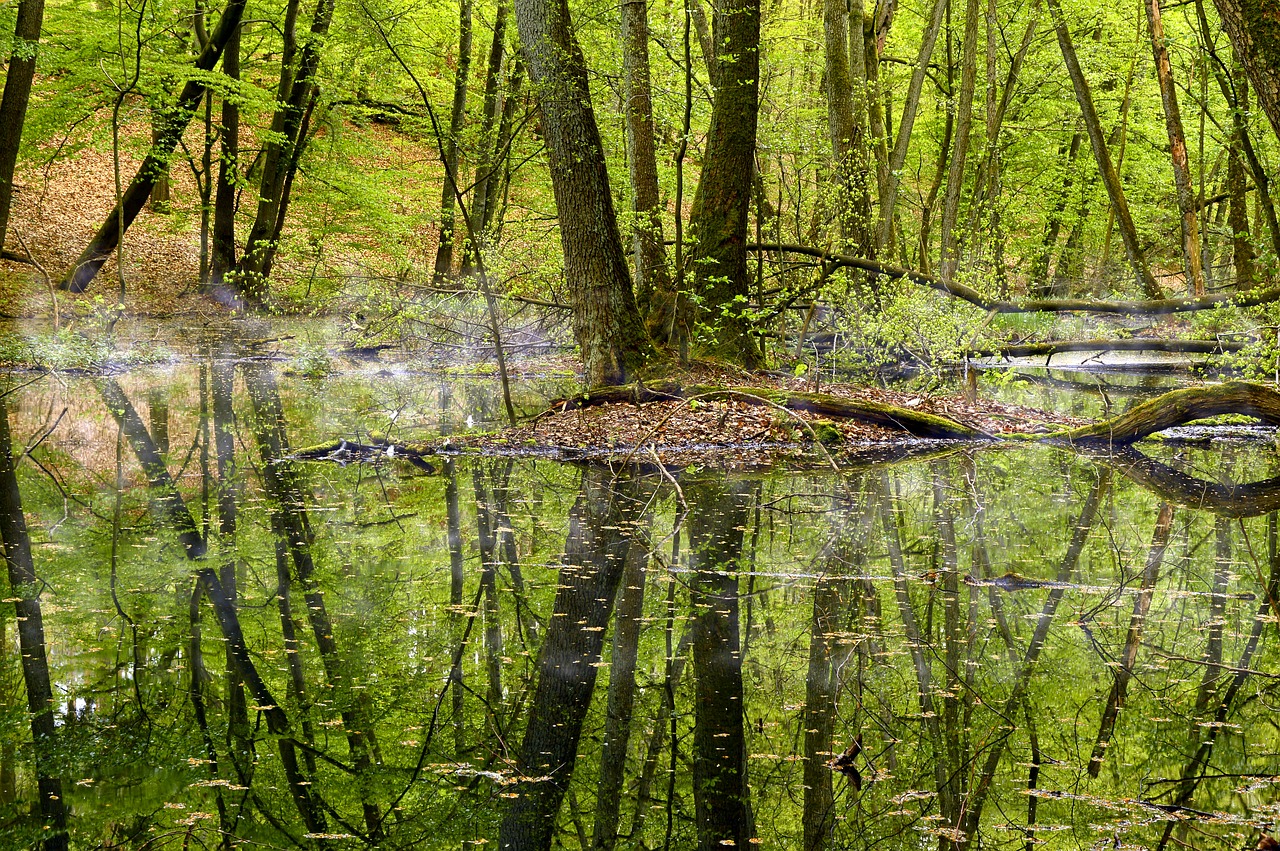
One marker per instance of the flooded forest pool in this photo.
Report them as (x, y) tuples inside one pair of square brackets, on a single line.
[(1008, 647)]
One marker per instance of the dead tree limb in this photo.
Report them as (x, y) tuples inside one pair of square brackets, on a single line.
[(1152, 307)]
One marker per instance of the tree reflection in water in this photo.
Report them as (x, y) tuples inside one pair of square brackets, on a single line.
[(1028, 647)]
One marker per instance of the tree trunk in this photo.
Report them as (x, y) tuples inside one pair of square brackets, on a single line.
[(950, 256), (718, 220), (491, 221), (601, 527), (717, 518), (1177, 152), (650, 255), (489, 154), (279, 160), (223, 258), (910, 106), (24, 587), (1254, 29), (607, 324), (457, 115), (113, 227), (1115, 190), (1040, 268), (846, 89), (1242, 251), (17, 92)]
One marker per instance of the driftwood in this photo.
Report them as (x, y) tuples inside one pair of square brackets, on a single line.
[(915, 423), (1161, 306), (1180, 407)]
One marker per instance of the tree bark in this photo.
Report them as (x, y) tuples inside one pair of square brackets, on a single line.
[(24, 587), (1254, 29), (607, 323), (718, 220), (1179, 407), (1177, 151), (113, 227), (444, 249), (17, 93), (1115, 190), (845, 92)]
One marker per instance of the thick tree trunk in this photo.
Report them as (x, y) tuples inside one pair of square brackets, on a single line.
[(717, 518), (606, 322), (24, 587), (17, 92), (1254, 29), (112, 229), (449, 191), (223, 258), (1115, 190), (1177, 151), (652, 278), (289, 125), (721, 204), (601, 530), (846, 90)]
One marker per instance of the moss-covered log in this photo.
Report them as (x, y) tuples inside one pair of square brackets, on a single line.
[(917, 423), (1180, 407)]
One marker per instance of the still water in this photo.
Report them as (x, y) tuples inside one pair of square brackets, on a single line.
[(999, 647)]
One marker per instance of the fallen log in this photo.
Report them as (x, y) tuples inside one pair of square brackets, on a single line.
[(1132, 344), (917, 423), (1179, 407), (1161, 306)]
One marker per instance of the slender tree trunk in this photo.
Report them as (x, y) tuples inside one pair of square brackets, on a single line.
[(105, 241), (17, 93), (606, 321), (1177, 152), (279, 160), (1242, 251), (652, 277), (223, 258), (718, 220), (950, 256), (489, 154), (457, 115), (1115, 190), (491, 221), (910, 106), (1040, 268), (24, 587)]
